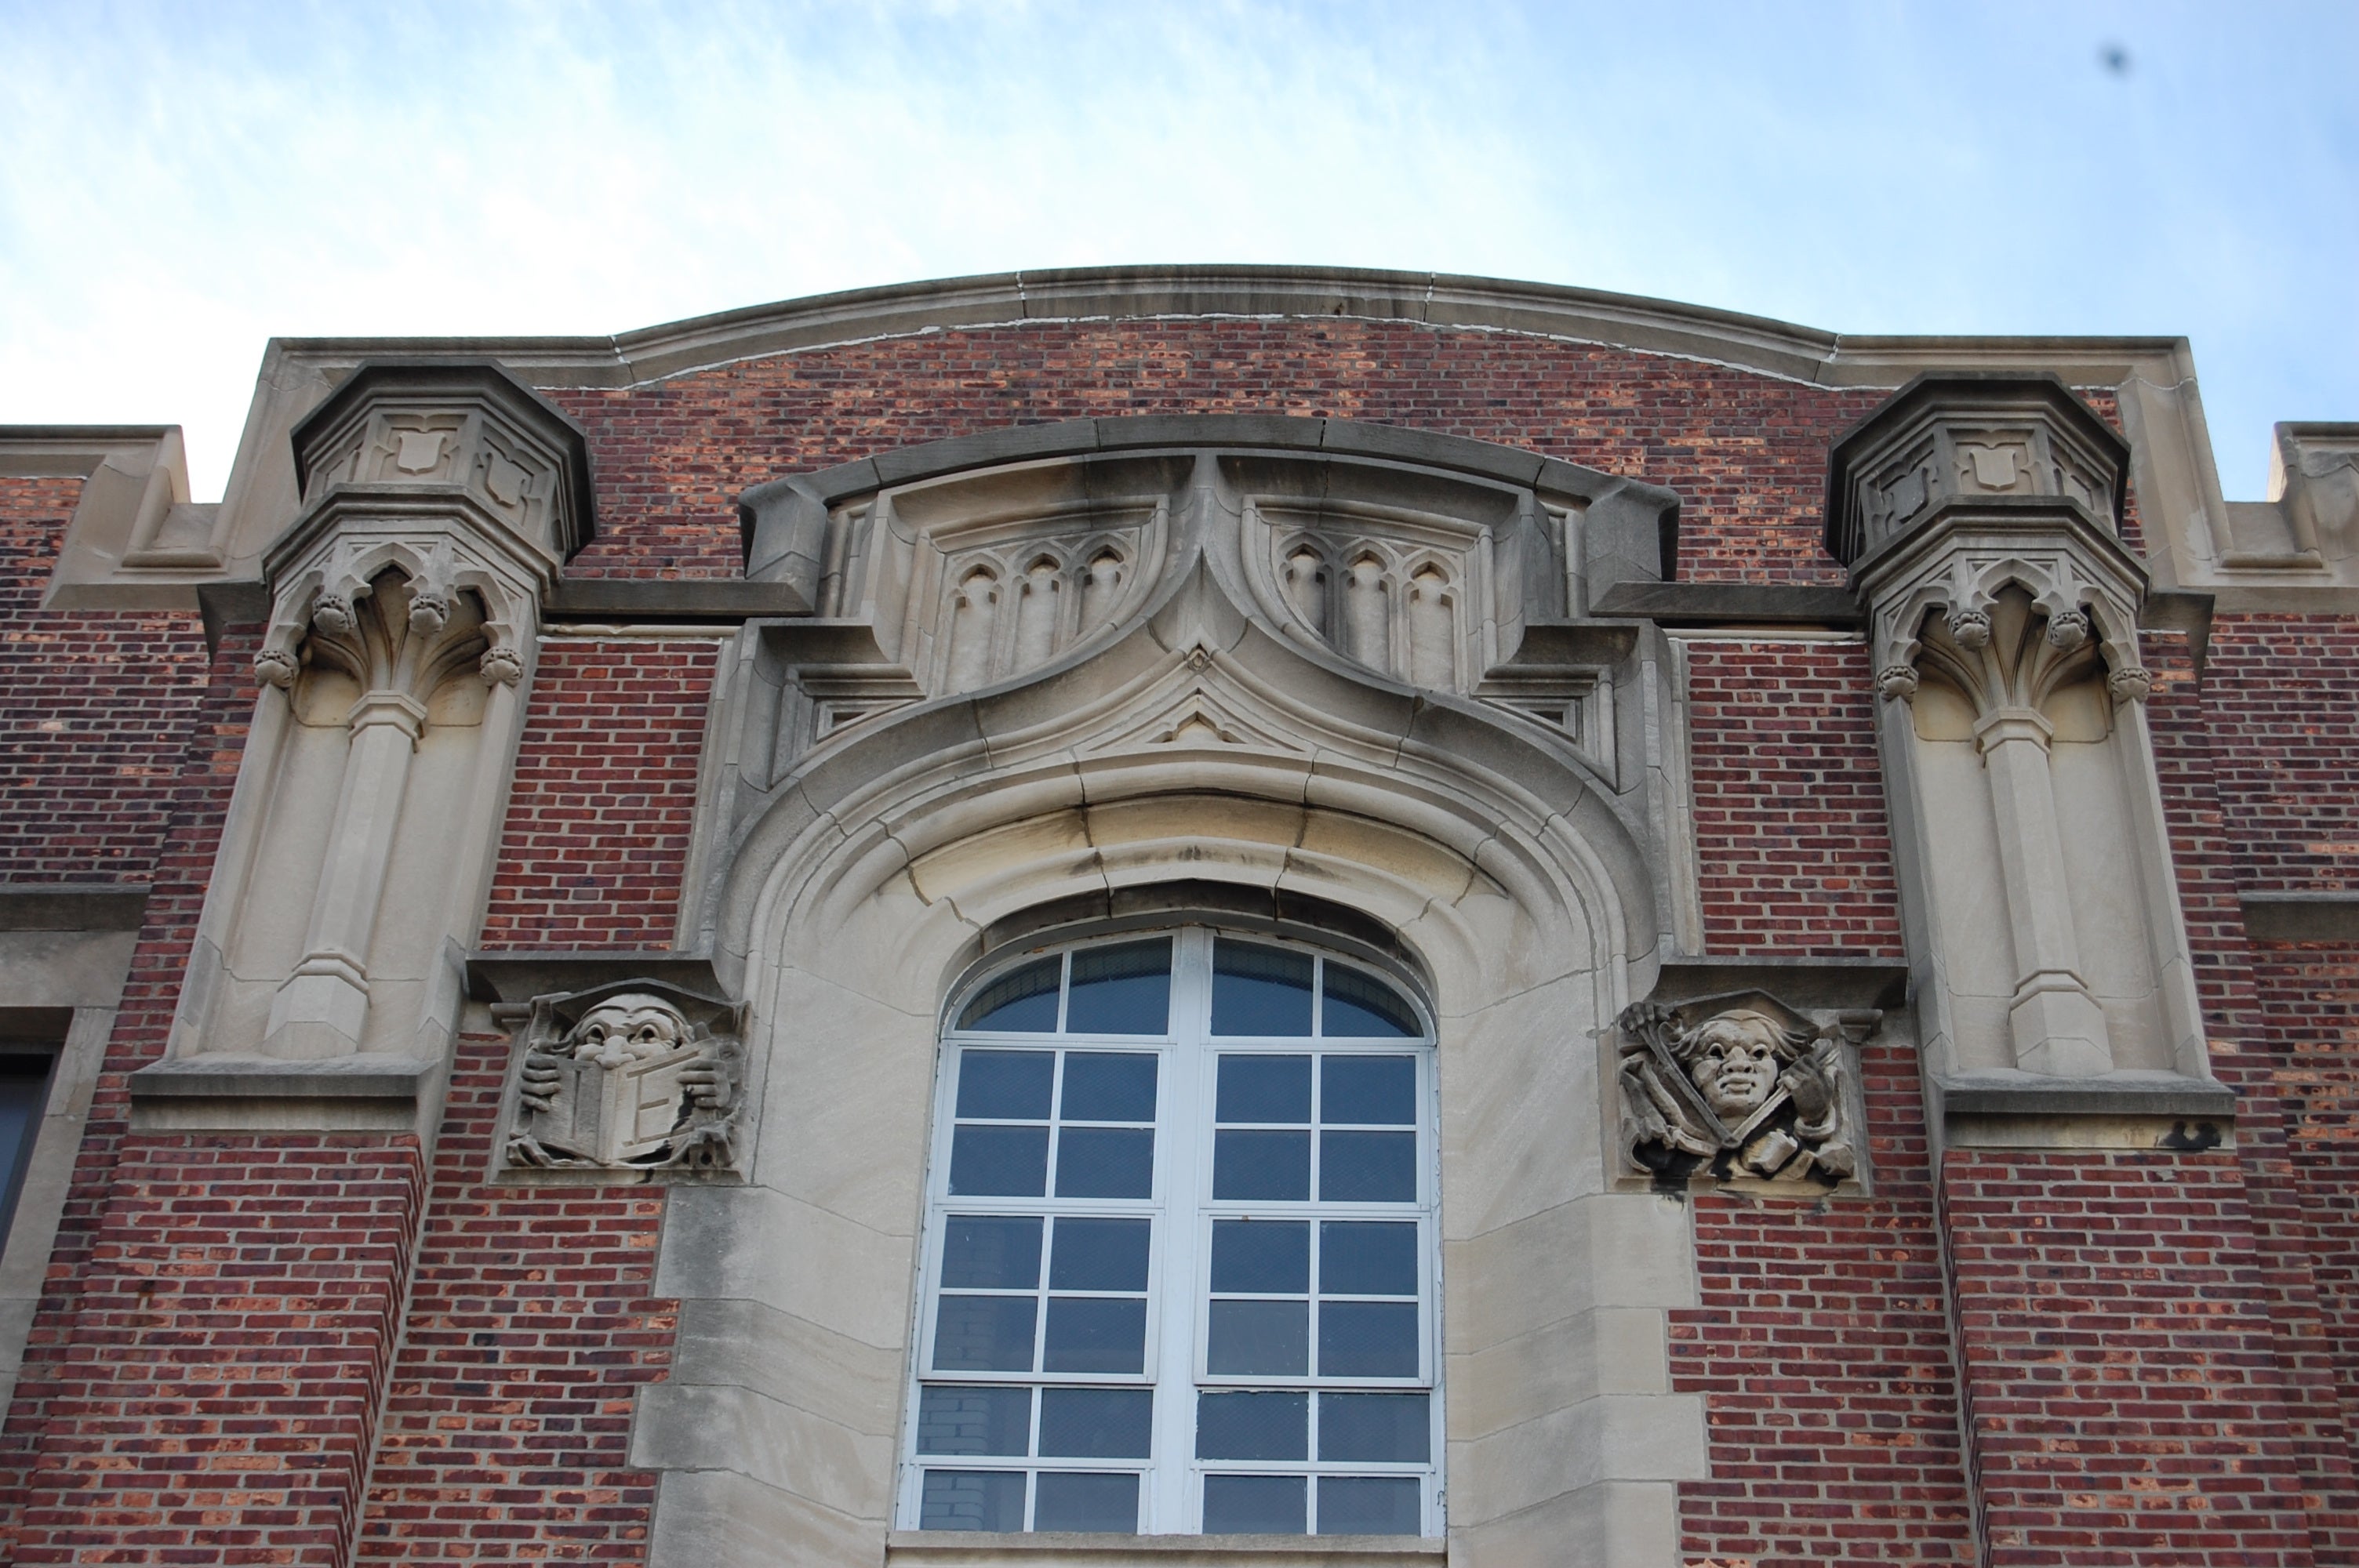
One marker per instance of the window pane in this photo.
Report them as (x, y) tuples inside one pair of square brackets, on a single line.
[(1092, 1333), (1259, 990), (1263, 1088), (1096, 1423), (973, 1499), (991, 1253), (1258, 1338), (974, 1421), (1258, 1255), (1087, 1502), (1100, 1255), (1361, 1006), (1105, 1162), (1367, 1339), (1253, 1504), (1023, 1002), (1379, 1089), (1368, 1505), (1106, 1085), (1360, 1258), (1388, 1428), (1262, 1164), (1006, 1086), (1365, 1167), (999, 1161), (1122, 990), (1253, 1426), (983, 1334)]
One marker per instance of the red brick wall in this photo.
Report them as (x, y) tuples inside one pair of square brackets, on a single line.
[(1820, 1347), (599, 815), (98, 708), (1746, 452), (1791, 838), (2286, 733), (530, 1326)]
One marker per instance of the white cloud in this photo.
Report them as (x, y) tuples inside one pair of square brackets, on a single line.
[(182, 182)]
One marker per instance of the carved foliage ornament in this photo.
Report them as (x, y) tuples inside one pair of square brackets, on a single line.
[(394, 617), (636, 1075), (2007, 630), (1739, 1088)]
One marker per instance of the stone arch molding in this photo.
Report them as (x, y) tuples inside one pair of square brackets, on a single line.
[(1206, 754)]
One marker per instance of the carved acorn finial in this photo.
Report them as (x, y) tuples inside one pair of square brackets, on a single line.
[(1971, 629), (276, 667), (501, 666), (1897, 683), (2131, 684), (429, 611), (332, 614), (2068, 630)]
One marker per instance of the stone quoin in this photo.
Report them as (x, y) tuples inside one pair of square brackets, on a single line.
[(1192, 914)]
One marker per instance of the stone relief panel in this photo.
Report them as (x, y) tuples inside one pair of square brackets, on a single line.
[(634, 1076), (1742, 1088)]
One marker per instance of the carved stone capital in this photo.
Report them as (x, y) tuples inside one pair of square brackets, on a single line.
[(1742, 1088), (634, 1076)]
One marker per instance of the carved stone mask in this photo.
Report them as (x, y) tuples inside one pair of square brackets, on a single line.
[(626, 1028), (1733, 1060)]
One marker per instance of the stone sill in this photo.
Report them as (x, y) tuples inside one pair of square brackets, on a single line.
[(352, 1094), (2166, 1113), (956, 1549), (2301, 916), (72, 906), (1731, 603)]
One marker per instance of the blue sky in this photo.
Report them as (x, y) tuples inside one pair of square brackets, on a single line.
[(178, 182)]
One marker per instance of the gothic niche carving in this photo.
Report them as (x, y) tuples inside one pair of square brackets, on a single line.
[(1740, 1087), (636, 1075)]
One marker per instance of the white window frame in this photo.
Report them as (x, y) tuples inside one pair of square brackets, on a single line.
[(1182, 1212)]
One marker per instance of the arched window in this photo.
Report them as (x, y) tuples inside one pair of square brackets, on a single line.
[(1181, 1262)]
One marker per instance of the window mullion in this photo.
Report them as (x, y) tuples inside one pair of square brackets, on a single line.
[(1171, 1508)]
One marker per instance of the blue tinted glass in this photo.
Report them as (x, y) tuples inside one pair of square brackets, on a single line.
[(1261, 1166), (1360, 1258), (971, 1420), (1259, 1339), (1100, 1255), (1006, 1086), (1379, 1089), (990, 1252), (1253, 1504), (1122, 990), (1372, 1428), (1368, 1505), (1103, 1086), (1104, 1161), (1367, 1339), (973, 1499), (1361, 1006), (1024, 1002), (1253, 1426), (1095, 1334), (983, 1334), (1096, 1423), (1259, 990), (1251, 1256), (1364, 1167), (999, 1161), (1101, 1503), (1263, 1088)]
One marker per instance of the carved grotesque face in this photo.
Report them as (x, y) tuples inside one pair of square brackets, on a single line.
[(1733, 1061), (623, 1028)]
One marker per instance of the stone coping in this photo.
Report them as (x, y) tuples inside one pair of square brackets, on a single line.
[(72, 906), (1727, 603), (2301, 916), (1073, 1550)]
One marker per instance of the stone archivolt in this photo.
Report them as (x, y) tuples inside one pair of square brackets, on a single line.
[(634, 1076), (1740, 1086)]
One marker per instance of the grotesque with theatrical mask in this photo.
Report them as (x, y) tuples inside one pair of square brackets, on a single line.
[(1755, 1091)]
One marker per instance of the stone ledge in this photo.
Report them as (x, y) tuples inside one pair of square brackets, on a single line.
[(515, 978), (72, 906), (351, 1094), (2301, 916), (1731, 603), (1805, 983), (624, 599), (947, 1548), (2179, 1114)]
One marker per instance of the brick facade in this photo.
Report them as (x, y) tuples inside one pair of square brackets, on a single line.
[(364, 1348)]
